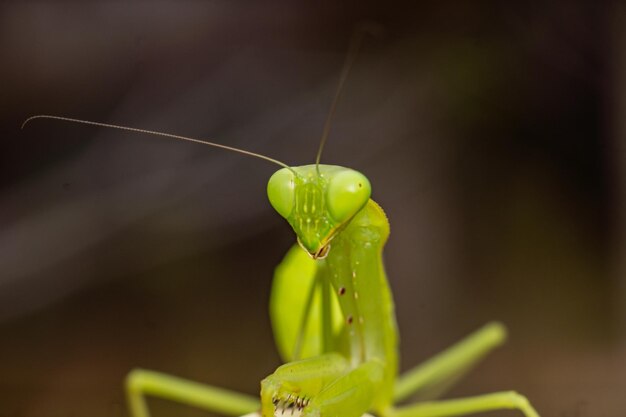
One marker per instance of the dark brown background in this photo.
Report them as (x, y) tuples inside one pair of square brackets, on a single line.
[(493, 135)]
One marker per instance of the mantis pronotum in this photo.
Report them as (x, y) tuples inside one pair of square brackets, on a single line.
[(332, 312)]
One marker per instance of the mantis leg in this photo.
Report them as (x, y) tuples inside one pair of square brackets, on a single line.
[(140, 383), (470, 405), (302, 314), (321, 386), (451, 363), (350, 395), (294, 384)]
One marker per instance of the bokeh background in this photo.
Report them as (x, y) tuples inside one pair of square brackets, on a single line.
[(493, 134)]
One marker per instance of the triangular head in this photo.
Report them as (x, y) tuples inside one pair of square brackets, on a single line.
[(318, 201)]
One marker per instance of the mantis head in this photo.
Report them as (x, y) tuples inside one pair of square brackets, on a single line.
[(318, 201)]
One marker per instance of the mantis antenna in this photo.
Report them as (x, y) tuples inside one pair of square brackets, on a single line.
[(353, 50), (155, 133)]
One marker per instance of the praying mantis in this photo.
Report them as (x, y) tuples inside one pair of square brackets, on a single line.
[(332, 312)]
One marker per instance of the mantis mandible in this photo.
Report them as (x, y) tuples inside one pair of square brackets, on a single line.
[(332, 312)]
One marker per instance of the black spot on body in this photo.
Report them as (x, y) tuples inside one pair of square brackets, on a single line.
[(342, 291), (349, 320)]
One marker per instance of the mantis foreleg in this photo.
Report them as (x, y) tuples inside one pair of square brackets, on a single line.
[(294, 384), (322, 386), (296, 309)]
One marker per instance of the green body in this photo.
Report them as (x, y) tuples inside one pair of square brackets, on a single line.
[(333, 318), (364, 331)]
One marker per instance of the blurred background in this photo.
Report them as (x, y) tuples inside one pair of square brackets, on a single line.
[(493, 134)]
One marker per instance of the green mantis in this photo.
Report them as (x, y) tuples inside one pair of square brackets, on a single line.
[(332, 313)]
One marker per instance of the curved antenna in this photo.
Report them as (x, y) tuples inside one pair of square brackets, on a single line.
[(155, 133), (353, 50)]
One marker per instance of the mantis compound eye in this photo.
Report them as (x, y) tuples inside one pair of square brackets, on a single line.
[(347, 193), (280, 191)]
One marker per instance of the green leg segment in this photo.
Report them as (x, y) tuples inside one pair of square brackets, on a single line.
[(451, 362), (294, 384), (140, 383), (325, 385), (350, 394), (465, 406)]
